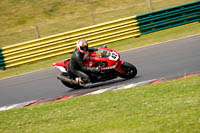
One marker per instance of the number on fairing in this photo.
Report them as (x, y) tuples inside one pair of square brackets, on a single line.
[(113, 56)]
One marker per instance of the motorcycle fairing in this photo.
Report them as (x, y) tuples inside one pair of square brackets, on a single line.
[(109, 56), (62, 65)]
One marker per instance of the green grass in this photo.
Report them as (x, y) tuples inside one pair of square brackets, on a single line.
[(148, 39), (166, 107), (19, 17)]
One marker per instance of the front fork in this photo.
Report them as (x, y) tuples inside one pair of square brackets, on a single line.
[(118, 67)]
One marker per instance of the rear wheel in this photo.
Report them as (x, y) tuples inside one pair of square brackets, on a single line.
[(130, 69)]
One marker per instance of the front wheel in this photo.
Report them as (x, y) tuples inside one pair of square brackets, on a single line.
[(130, 69)]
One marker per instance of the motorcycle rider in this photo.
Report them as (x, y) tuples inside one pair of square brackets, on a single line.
[(77, 66)]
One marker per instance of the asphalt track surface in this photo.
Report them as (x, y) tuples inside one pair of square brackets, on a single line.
[(169, 59)]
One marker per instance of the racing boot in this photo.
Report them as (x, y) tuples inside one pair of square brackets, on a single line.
[(79, 81)]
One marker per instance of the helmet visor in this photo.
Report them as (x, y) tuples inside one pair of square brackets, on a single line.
[(84, 48)]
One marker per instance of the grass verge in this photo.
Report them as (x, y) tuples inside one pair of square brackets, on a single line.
[(148, 39), (167, 107)]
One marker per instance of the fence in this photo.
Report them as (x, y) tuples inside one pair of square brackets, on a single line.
[(99, 34), (170, 17), (2, 64)]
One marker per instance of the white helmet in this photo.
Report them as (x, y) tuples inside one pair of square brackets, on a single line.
[(82, 46)]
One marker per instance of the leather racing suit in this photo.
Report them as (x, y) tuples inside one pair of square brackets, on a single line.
[(77, 66)]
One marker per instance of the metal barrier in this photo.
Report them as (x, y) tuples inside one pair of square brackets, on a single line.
[(2, 63), (64, 43), (170, 17)]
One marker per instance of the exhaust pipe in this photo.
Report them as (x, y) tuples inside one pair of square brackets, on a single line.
[(65, 79)]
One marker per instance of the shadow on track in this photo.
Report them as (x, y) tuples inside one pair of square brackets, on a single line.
[(100, 84), (108, 82)]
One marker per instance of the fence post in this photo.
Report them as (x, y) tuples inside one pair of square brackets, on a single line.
[(92, 16), (37, 31), (150, 5)]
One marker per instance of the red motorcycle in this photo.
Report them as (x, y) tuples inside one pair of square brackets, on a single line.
[(108, 60)]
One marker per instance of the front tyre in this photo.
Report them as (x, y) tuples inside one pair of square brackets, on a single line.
[(130, 69)]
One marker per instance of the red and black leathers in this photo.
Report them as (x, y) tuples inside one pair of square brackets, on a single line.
[(77, 66)]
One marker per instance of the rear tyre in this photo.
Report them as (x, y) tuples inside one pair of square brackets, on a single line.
[(130, 69), (67, 84)]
